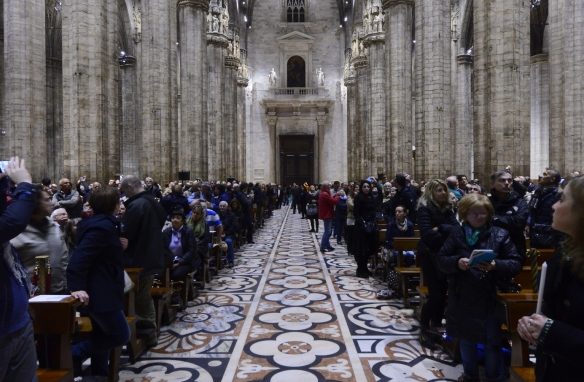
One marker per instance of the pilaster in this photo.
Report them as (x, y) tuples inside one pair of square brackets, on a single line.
[(463, 128)]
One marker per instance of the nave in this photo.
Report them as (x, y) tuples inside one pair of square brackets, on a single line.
[(286, 312)]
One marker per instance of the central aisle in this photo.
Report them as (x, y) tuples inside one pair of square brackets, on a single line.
[(287, 313)]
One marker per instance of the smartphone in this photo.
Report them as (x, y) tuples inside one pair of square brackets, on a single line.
[(3, 165)]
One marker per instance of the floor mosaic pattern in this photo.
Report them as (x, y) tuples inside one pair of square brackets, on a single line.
[(287, 313)]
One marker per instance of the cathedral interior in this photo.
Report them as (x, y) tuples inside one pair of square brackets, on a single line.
[(289, 90)]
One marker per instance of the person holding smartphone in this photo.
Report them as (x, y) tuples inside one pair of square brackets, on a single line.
[(472, 289)]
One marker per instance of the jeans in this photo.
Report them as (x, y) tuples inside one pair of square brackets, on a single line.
[(494, 362), (18, 359), (110, 330), (230, 256), (339, 227), (326, 235)]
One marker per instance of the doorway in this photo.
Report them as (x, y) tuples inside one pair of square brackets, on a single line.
[(296, 159)]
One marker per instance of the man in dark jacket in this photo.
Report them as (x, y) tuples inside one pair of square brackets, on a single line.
[(175, 200), (405, 196), (142, 226), (17, 348), (540, 211)]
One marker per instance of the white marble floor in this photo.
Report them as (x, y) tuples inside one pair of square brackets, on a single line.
[(287, 313)]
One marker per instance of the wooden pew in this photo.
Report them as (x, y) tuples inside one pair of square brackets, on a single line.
[(403, 244), (54, 324), (136, 346)]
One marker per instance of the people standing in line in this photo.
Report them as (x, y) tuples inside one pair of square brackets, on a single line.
[(42, 237), (472, 313), (143, 222), (230, 229), (558, 332), (18, 360), (435, 220), (365, 228), (326, 204), (312, 208)]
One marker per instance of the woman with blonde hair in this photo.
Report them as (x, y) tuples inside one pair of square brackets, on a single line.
[(435, 219), (558, 331), (472, 285)]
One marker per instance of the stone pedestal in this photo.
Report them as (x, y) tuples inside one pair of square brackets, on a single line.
[(463, 122), (398, 48), (501, 86), (192, 134), (566, 65), (540, 114), (24, 122)]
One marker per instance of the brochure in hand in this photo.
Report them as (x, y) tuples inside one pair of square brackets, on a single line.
[(481, 256)]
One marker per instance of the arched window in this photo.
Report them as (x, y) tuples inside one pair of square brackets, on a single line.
[(295, 11), (296, 73)]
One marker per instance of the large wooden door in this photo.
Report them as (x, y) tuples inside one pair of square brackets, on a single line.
[(296, 159)]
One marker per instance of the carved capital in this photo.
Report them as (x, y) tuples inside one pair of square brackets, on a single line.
[(374, 38), (350, 81), (127, 61), (232, 62), (464, 59), (359, 62), (242, 82), (391, 3), (200, 4), (217, 39)]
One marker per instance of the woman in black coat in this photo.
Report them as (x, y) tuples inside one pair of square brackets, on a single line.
[(435, 218), (95, 276), (559, 331), (472, 286), (365, 228)]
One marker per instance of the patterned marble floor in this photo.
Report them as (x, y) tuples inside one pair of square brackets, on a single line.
[(286, 313)]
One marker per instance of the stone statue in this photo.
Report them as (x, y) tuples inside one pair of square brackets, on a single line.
[(215, 27), (237, 52), (355, 45), (273, 78), (320, 77), (209, 23), (377, 26)]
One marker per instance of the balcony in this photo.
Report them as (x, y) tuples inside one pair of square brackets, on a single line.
[(299, 91)]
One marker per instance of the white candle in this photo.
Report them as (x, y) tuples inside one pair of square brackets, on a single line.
[(541, 288)]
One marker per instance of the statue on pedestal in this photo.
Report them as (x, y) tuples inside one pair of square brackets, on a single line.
[(320, 77), (272, 77)]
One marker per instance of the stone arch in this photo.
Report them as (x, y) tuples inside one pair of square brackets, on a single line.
[(296, 72)]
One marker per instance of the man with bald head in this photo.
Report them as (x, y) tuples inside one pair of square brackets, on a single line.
[(453, 187), (68, 198)]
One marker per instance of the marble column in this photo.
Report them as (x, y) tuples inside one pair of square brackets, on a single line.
[(90, 89), (377, 144), (362, 124), (24, 93), (230, 105), (462, 158), (501, 86), (192, 135), (352, 106), (130, 132), (242, 82), (433, 91), (540, 114), (398, 48), (566, 65), (155, 60), (54, 90)]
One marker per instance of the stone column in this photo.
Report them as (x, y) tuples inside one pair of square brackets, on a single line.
[(433, 131), (462, 147), (362, 126), (352, 106), (230, 106), (217, 43), (377, 144), (90, 88), (130, 132), (54, 90), (192, 135), (501, 86), (242, 82), (398, 48), (566, 65), (24, 93), (540, 114)]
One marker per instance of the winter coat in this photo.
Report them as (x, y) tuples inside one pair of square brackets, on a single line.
[(174, 201), (143, 222), (312, 200), (44, 241), (430, 216), (472, 294), (511, 214), (560, 355), (540, 218), (96, 265), (364, 210), (326, 205), (72, 202), (189, 246)]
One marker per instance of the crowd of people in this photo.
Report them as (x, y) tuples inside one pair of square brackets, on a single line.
[(90, 233)]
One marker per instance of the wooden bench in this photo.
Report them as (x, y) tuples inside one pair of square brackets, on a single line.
[(405, 273), (136, 346), (53, 320)]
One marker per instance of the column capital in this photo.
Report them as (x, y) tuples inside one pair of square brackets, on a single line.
[(464, 59), (217, 39), (374, 38), (232, 62), (242, 82), (127, 61), (201, 4), (350, 81), (391, 3), (359, 62)]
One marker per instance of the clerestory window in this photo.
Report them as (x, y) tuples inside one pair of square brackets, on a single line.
[(295, 11)]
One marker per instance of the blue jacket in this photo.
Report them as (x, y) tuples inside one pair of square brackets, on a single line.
[(14, 291), (96, 265)]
